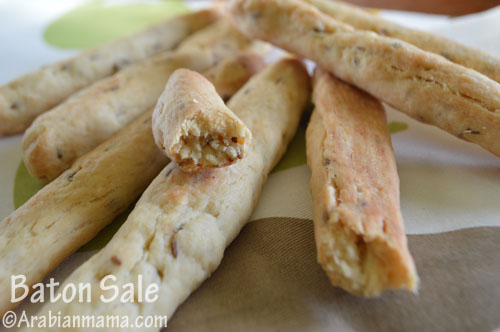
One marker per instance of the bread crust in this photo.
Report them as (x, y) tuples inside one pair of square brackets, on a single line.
[(177, 233), (358, 224), (58, 137), (193, 126), (28, 96), (420, 84), (361, 19), (69, 211)]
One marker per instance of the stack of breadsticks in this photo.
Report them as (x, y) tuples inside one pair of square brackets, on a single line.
[(147, 116)]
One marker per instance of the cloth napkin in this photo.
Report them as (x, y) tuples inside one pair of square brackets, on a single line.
[(269, 279)]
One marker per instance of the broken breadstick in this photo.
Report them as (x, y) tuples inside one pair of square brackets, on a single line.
[(28, 96), (177, 233), (420, 84), (358, 226), (194, 127)]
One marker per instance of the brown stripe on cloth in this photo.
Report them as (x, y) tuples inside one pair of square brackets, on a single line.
[(269, 281)]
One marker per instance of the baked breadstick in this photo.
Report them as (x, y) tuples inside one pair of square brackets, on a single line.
[(423, 85), (452, 50), (176, 235), (69, 211), (26, 97), (75, 127), (194, 127), (358, 224)]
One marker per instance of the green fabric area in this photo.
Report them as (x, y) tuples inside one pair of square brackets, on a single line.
[(295, 154), (98, 22), (25, 185), (396, 127)]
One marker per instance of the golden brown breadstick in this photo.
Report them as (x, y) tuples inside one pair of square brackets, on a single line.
[(176, 235), (423, 85), (69, 211), (358, 224), (59, 136), (194, 127), (452, 50), (26, 97)]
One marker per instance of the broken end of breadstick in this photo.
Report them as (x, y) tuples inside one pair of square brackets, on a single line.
[(193, 126), (210, 139), (365, 267)]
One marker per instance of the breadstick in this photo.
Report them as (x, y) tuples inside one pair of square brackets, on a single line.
[(193, 126), (57, 138), (452, 50), (358, 224), (423, 85), (69, 211), (176, 235), (28, 96)]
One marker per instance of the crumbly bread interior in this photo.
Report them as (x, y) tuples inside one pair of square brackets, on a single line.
[(208, 142), (363, 267)]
